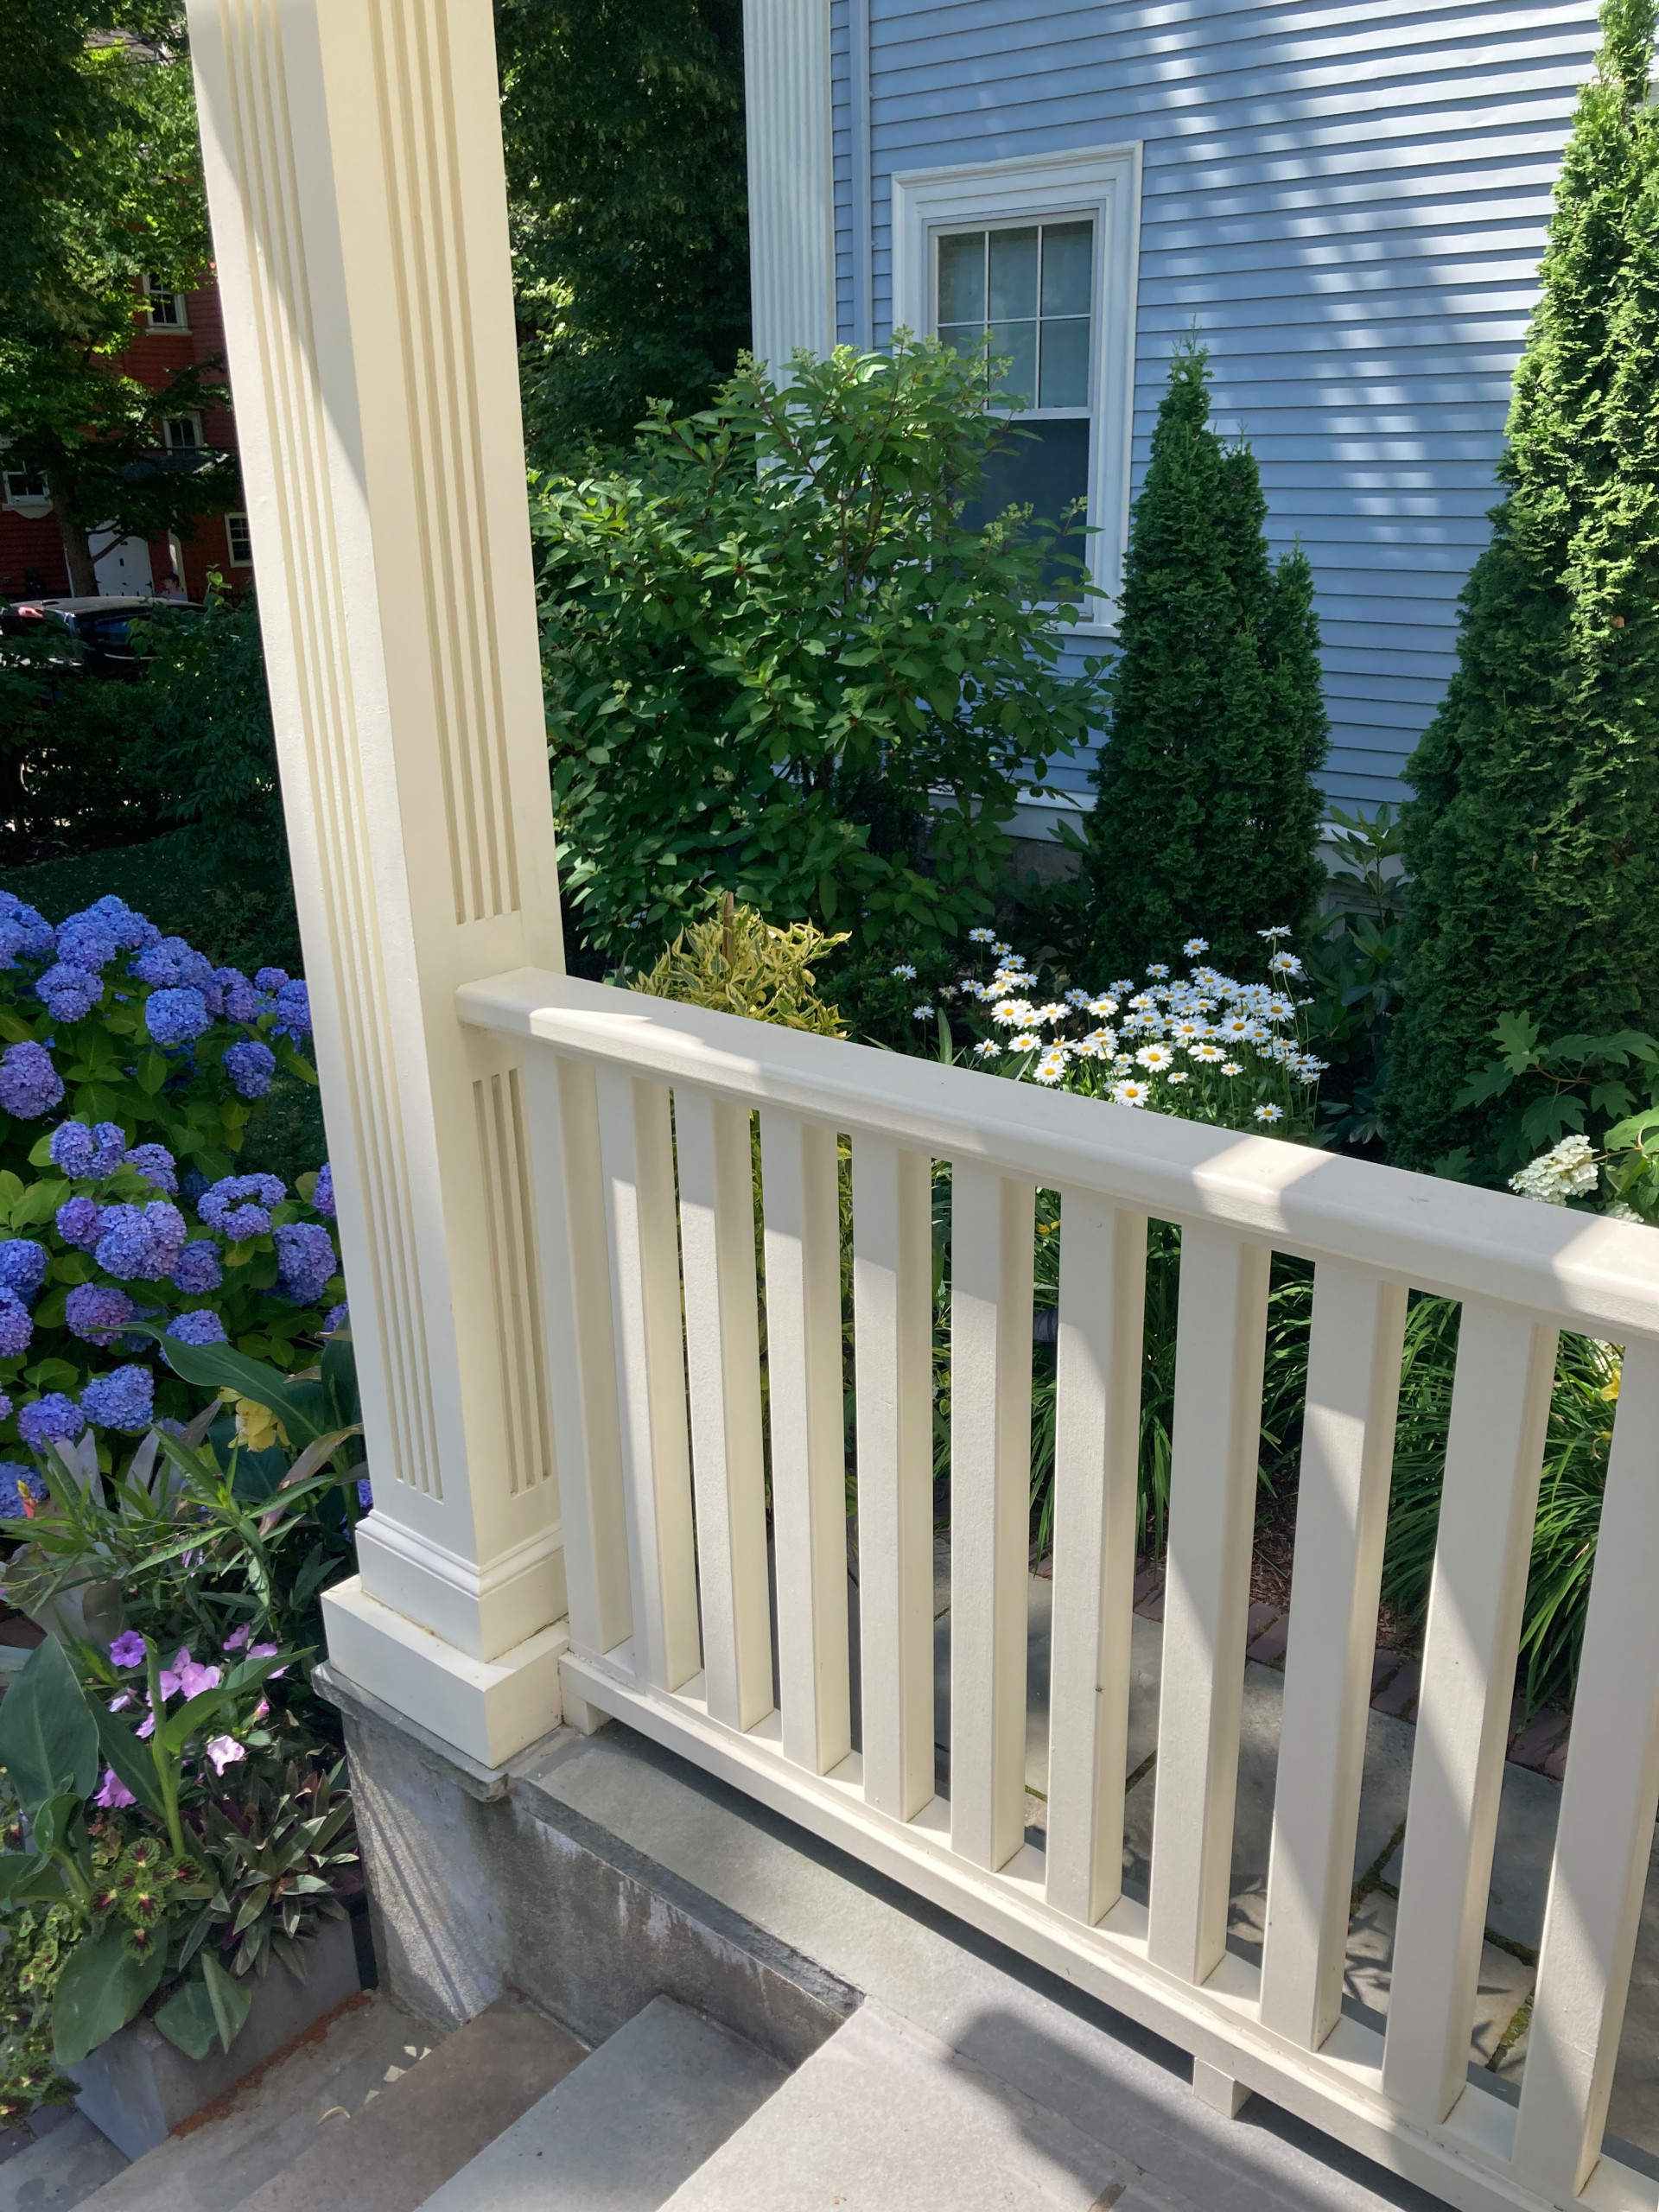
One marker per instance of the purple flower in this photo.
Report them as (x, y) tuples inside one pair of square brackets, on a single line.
[(323, 1197), (51, 1419), (294, 1011), (264, 1651), (238, 1637), (335, 1317), (176, 1017), (86, 1154), (242, 1002), (97, 1312), (87, 941), (128, 1649), (171, 963), (305, 1260), (115, 1793), (17, 1329), (193, 1680), (239, 1206), (140, 1242), (28, 931), (68, 994), (123, 1399), (196, 1271), (250, 1065), (224, 1751), (128, 929), (23, 1266), (20, 1491), (365, 1495), (29, 1084), (156, 1162), (271, 979), (80, 1222), (200, 1326), (5, 1407)]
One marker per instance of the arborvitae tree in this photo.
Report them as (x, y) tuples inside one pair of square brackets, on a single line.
[(1534, 835), (1206, 818)]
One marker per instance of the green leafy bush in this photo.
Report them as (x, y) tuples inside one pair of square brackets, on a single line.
[(735, 962), (777, 664)]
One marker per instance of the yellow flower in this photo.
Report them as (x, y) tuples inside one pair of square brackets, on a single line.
[(257, 1428)]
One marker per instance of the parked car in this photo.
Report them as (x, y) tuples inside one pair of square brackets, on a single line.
[(103, 627)]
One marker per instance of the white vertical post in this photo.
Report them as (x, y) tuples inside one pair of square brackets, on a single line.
[(992, 1229), (892, 1310), (1348, 1423), (791, 178), (1495, 1449), (353, 154), (722, 1345), (1096, 1437), (1220, 1341), (1605, 1834), (801, 1202)]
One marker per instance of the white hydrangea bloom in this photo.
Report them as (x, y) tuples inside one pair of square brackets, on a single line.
[(1568, 1170)]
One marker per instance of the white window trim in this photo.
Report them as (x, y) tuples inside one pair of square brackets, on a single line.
[(190, 415), (170, 329), (236, 515), (1102, 182)]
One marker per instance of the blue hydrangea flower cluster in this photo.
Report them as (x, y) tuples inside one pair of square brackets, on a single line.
[(29, 1084), (89, 1155), (305, 1260), (239, 1206), (140, 1243), (201, 1326), (124, 1399), (17, 1483), (250, 1065)]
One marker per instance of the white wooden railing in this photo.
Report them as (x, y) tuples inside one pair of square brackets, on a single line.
[(639, 1121)]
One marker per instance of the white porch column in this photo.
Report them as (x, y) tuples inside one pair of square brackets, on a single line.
[(354, 176), (791, 178)]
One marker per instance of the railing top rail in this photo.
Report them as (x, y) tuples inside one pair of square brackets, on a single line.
[(1583, 1273)]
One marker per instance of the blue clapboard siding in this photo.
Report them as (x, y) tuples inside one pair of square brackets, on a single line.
[(1348, 201)]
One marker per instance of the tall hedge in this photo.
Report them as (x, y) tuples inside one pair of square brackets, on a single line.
[(1534, 834), (1206, 818)]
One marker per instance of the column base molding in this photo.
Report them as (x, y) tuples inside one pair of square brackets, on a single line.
[(486, 1612), (490, 1709)]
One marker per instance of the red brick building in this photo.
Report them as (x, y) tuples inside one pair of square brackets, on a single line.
[(183, 327)]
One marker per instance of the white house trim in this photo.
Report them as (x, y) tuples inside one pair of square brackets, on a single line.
[(791, 178), (1104, 182)]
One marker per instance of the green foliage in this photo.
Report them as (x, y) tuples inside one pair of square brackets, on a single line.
[(1353, 971), (65, 754), (42, 1937), (1561, 1088), (1533, 836), (777, 665), (623, 127), (736, 962), (240, 918), (1207, 813)]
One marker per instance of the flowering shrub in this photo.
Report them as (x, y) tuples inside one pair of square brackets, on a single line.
[(130, 1070)]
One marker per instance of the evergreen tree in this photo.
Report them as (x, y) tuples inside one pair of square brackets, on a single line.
[(1534, 835), (1206, 815)]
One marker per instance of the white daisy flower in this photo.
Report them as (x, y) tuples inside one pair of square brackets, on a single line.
[(1189, 1031), (1269, 1113), (1002, 951), (1052, 1012), (1155, 1058), (981, 936), (1243, 1025), (1101, 1042), (1131, 1093), (921, 1013), (1208, 1053), (1124, 984), (1103, 1006), (1142, 1002), (1158, 970), (1279, 928), (1285, 963), (1028, 1043), (1231, 1067), (1280, 1009), (998, 987), (1194, 946), (987, 1049), (905, 972), (1179, 1075), (1076, 1000), (1014, 1014)]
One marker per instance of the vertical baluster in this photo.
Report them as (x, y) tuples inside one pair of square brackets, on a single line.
[(564, 1120), (992, 1227), (723, 1370), (1353, 1392), (1606, 1829), (636, 1150), (1220, 1343), (1500, 1407), (892, 1311), (1096, 1437), (802, 1208)]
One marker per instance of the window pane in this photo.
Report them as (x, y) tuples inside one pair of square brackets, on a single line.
[(1068, 268), (1014, 274), (966, 338), (962, 282), (1043, 466), (1065, 363), (1018, 342)]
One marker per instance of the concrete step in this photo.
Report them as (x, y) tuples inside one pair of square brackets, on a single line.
[(884, 2115), (626, 2127), (63, 2167), (273, 2117)]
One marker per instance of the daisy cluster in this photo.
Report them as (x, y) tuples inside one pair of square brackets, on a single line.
[(1201, 1045)]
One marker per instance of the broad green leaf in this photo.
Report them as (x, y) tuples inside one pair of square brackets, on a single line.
[(20, 1870), (229, 1998), (38, 1203), (186, 2019), (1516, 1036), (98, 1992), (48, 1740), (133, 1762), (301, 1407)]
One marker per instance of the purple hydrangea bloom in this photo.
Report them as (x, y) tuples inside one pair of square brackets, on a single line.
[(200, 1326), (17, 1329), (35, 936), (157, 1163), (140, 1242), (89, 1154), (87, 941), (323, 1197), (97, 1312), (242, 1002), (80, 1222), (12, 937), (5, 1407), (335, 1317), (176, 1017), (129, 930), (365, 1495), (294, 1011), (16, 1484), (51, 1419), (239, 1206), (123, 1399), (271, 979), (23, 1266), (68, 994), (305, 1260), (250, 1065), (197, 1270), (171, 962), (29, 1084)]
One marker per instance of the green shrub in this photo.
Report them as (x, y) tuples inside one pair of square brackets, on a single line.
[(735, 963), (1207, 815), (1534, 835), (778, 665)]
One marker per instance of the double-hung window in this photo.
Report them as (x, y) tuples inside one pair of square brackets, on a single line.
[(166, 309), (1035, 261)]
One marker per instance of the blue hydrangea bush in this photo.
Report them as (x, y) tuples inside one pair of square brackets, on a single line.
[(130, 1070)]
